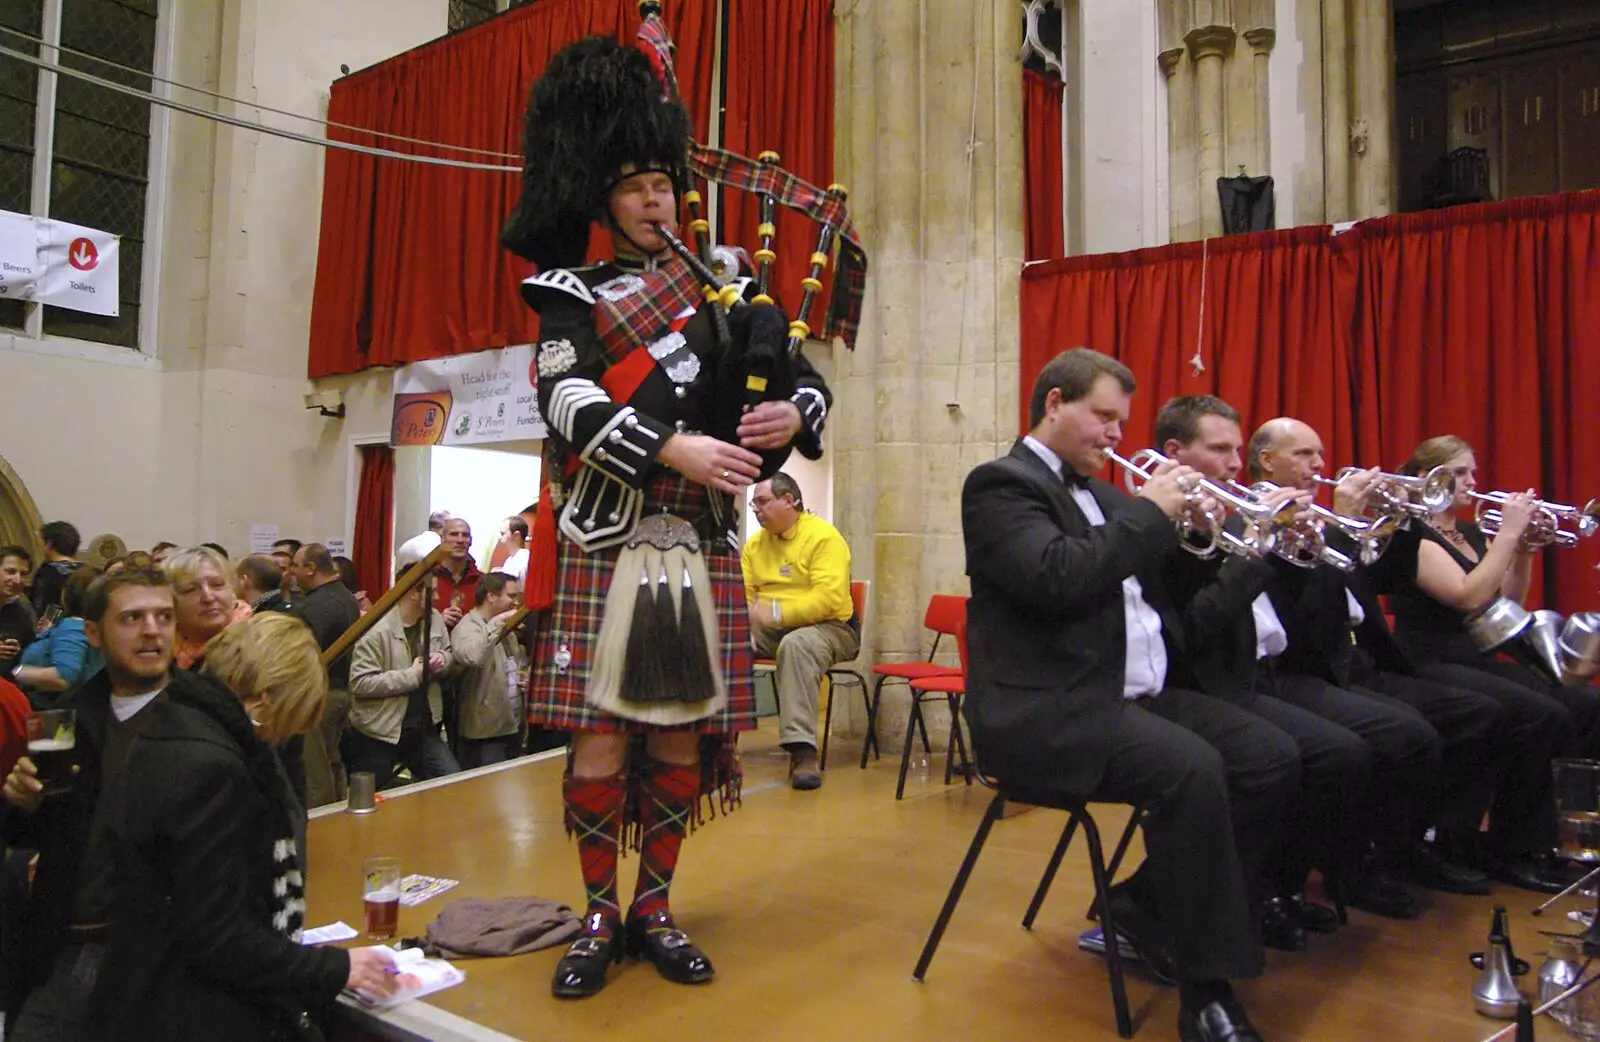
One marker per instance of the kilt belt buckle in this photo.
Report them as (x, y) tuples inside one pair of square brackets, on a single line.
[(665, 532)]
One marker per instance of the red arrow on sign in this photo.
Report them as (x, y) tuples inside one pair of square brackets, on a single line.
[(83, 255)]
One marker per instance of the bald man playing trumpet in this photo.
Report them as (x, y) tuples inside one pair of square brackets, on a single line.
[(1339, 641)]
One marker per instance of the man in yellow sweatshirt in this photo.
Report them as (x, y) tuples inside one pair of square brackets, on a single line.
[(797, 580)]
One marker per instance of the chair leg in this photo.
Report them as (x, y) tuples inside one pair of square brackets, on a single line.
[(827, 728), (905, 753), (1102, 886), (967, 770), (1134, 820), (927, 746), (950, 744), (872, 718), (1050, 869), (990, 816), (872, 733)]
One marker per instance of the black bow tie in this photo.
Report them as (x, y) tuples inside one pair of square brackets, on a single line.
[(1072, 479)]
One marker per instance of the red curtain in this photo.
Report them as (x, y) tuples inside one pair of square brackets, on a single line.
[(1041, 142), (1270, 341), (1475, 321), (372, 550), (409, 265), (779, 96), (1480, 322)]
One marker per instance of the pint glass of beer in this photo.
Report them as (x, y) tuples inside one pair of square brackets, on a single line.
[(380, 896), (51, 740)]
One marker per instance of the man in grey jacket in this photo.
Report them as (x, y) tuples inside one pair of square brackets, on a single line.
[(483, 692), (395, 720)]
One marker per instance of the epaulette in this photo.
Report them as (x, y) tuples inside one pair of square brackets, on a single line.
[(559, 280)]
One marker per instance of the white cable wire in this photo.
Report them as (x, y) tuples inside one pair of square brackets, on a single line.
[(367, 150), (250, 104), (1199, 359)]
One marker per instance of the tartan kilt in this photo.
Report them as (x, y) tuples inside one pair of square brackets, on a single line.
[(556, 696)]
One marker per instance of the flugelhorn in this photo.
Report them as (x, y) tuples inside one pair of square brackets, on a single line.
[(1202, 530), (1409, 495), (1548, 518)]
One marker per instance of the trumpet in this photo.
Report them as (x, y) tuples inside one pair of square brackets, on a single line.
[(1406, 495), (1305, 543), (1548, 518), (1201, 529)]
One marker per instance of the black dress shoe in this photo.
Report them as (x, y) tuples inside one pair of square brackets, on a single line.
[(1378, 893), (1143, 932), (1220, 1021), (1314, 917), (582, 971), (1425, 868), (1280, 926), (1530, 875), (654, 937)]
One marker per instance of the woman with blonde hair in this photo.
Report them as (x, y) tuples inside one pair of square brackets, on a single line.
[(1458, 571), (202, 579), (210, 868)]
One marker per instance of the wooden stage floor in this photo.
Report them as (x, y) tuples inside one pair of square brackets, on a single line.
[(814, 906)]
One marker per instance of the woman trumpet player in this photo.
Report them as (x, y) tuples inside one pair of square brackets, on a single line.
[(1458, 571)]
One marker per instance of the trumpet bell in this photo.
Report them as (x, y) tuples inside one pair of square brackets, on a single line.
[(1438, 490)]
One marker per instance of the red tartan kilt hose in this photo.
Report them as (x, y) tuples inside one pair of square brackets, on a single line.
[(556, 693)]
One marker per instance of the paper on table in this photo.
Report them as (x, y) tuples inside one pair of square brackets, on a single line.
[(415, 889), (339, 931), (418, 975)]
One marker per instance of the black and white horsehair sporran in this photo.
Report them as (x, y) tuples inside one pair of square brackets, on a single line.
[(653, 658)]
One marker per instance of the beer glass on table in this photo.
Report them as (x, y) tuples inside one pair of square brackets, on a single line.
[(52, 737), (380, 897)]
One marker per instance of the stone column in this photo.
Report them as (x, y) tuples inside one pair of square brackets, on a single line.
[(1336, 111), (929, 141), (1261, 40), (1209, 46), (1373, 142)]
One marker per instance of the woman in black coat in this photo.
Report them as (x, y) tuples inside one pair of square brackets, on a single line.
[(209, 844)]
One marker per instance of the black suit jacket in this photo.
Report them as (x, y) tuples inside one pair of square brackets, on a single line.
[(1045, 626), (1316, 616), (1214, 597)]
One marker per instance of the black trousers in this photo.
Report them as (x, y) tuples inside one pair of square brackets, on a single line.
[(1406, 751), (1533, 728), (1215, 781), (1328, 822)]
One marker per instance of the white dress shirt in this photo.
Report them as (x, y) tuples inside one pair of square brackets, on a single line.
[(1357, 616), (1145, 672), (1271, 638)]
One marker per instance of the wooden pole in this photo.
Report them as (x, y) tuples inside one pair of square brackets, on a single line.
[(412, 576)]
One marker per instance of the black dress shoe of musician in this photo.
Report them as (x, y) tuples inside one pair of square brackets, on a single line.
[(1280, 926), (1380, 894), (1425, 868), (582, 971), (1530, 875), (654, 937), (1221, 1021), (1314, 917), (1142, 929)]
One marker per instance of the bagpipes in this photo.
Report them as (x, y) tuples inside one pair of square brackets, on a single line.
[(757, 342)]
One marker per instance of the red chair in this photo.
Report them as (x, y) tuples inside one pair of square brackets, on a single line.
[(945, 614), (951, 688), (844, 672)]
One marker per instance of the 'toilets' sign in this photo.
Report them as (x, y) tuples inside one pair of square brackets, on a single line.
[(52, 262)]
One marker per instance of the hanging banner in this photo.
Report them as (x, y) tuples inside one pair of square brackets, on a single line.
[(19, 256), (53, 262), (486, 396), (80, 267)]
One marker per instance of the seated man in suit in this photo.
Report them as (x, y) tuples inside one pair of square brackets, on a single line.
[(1069, 628), (1237, 639), (1338, 644), (797, 580)]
